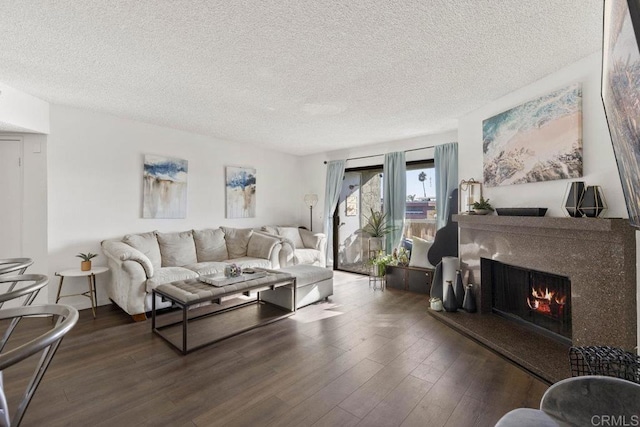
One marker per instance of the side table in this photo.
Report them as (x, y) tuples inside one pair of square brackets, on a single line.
[(91, 277)]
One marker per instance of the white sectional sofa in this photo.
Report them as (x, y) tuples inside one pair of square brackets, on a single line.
[(299, 245), (140, 262)]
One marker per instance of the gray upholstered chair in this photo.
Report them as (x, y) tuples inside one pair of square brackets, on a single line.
[(47, 343), (581, 401)]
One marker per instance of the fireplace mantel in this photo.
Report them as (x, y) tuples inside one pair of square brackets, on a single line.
[(598, 255)]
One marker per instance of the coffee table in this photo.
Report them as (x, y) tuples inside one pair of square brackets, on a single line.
[(189, 293)]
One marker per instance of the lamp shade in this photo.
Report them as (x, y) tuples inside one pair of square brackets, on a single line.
[(310, 199)]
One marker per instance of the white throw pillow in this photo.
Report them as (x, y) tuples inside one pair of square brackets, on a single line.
[(147, 243), (237, 241), (419, 253), (292, 234), (177, 249), (210, 245)]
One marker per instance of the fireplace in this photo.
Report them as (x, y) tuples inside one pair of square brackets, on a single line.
[(536, 299), (598, 255)]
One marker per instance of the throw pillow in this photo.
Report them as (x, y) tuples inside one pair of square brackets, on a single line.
[(237, 241), (419, 253), (270, 229), (147, 243), (177, 249), (210, 245), (292, 234)]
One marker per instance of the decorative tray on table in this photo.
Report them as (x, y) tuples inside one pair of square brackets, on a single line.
[(216, 280), (521, 211)]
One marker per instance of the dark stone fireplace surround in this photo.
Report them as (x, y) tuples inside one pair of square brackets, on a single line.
[(597, 254)]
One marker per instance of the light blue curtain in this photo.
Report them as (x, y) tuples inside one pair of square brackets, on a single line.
[(394, 196), (335, 175), (446, 165)]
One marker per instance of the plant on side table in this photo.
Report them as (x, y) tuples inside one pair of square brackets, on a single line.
[(85, 265)]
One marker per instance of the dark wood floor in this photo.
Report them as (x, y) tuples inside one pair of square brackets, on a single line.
[(364, 358)]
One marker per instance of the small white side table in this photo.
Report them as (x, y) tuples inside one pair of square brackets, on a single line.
[(91, 276)]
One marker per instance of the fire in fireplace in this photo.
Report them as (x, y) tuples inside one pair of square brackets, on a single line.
[(535, 298)]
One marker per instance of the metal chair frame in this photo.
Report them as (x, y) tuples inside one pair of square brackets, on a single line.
[(47, 342), (30, 291), (11, 265)]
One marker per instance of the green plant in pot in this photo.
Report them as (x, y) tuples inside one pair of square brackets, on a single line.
[(85, 265), (482, 206), (376, 227)]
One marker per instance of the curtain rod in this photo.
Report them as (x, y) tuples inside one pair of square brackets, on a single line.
[(376, 155)]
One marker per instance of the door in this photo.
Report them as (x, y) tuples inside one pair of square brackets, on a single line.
[(361, 192), (11, 196)]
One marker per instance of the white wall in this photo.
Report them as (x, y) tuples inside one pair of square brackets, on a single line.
[(22, 112), (315, 171), (95, 185), (599, 166)]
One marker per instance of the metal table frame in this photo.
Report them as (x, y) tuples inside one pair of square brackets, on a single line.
[(184, 306)]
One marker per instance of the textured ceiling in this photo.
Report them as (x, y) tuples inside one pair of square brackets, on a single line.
[(299, 76)]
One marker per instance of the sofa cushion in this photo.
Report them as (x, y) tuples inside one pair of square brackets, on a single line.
[(249, 262), (177, 249), (307, 256), (207, 268), (261, 245), (292, 234), (237, 241), (308, 274), (419, 252), (169, 274), (210, 245), (147, 243)]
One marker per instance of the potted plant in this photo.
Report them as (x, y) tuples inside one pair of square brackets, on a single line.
[(482, 206), (85, 265), (376, 228), (380, 262)]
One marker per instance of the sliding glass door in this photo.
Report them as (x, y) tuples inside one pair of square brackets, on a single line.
[(361, 194)]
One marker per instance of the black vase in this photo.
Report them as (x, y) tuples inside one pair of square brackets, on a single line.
[(459, 289), (469, 303), (592, 204), (576, 194), (436, 283), (450, 304)]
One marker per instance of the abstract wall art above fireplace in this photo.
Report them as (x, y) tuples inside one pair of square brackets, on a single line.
[(540, 140)]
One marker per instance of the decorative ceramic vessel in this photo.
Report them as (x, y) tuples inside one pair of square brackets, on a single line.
[(574, 199), (469, 303), (435, 304), (481, 211), (436, 284), (459, 289), (85, 266), (450, 303)]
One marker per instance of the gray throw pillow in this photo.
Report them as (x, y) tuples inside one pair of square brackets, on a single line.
[(177, 249), (210, 245), (147, 243)]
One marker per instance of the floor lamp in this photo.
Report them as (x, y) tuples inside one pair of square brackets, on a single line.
[(310, 200)]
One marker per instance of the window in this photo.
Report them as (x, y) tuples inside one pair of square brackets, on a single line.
[(420, 217)]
